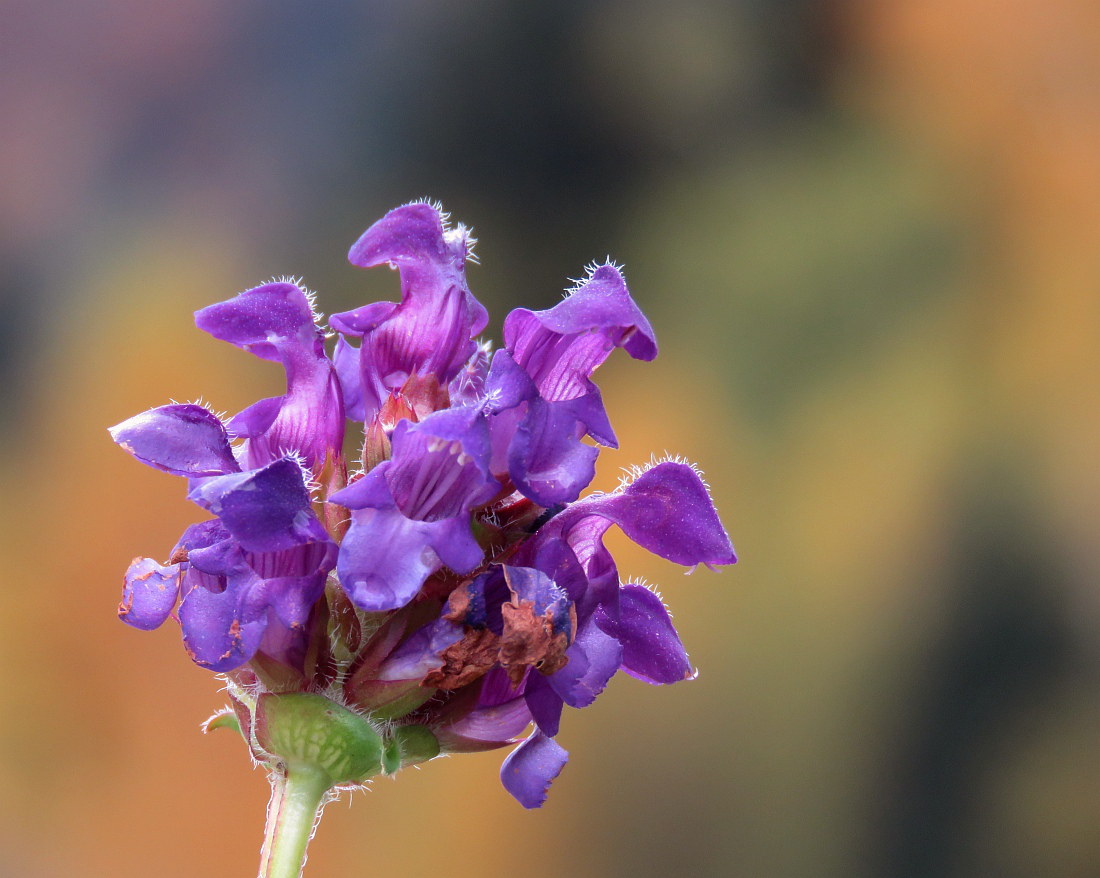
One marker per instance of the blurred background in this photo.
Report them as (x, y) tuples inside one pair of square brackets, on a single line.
[(866, 233)]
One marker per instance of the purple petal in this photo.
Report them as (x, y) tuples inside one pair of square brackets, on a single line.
[(507, 385), (307, 559), (468, 386), (652, 650), (385, 557), (218, 556), (589, 410), (293, 598), (562, 346), (556, 558), (421, 652), (547, 460), (453, 541), (308, 421), (293, 579), (431, 332), (284, 646), (668, 511), (273, 321), (486, 728), (425, 336), (544, 703), (361, 321), (371, 491), (254, 421), (237, 602), (383, 562), (530, 769), (430, 257), (569, 548), (440, 466), (497, 688), (593, 660), (540, 443), (412, 234), (498, 717), (185, 440), (528, 584), (585, 537), (222, 630), (202, 534), (345, 358), (149, 594), (265, 510)]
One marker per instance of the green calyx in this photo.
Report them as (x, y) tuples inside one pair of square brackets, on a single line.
[(306, 730)]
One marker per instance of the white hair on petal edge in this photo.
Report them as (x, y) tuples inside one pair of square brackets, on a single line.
[(311, 484), (638, 580), (460, 232), (201, 403), (591, 269), (471, 242), (476, 367), (632, 473), (311, 296), (436, 205)]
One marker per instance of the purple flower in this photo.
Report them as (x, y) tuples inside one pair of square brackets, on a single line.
[(455, 591), (266, 551), (411, 514), (545, 401), (429, 334), (665, 509), (275, 321)]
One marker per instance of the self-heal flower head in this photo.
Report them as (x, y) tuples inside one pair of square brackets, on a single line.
[(455, 590)]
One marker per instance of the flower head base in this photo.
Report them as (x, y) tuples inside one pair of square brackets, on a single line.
[(457, 589)]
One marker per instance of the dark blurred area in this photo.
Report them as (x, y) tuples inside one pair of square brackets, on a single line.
[(866, 234)]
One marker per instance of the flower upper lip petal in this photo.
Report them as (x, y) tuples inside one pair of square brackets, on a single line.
[(185, 440)]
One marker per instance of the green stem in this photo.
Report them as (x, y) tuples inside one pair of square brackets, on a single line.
[(297, 795)]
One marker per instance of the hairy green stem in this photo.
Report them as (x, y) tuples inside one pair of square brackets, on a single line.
[(297, 795)]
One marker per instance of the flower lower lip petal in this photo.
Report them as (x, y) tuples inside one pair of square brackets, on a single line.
[(530, 769)]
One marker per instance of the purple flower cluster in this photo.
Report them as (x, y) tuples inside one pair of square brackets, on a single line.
[(456, 581)]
